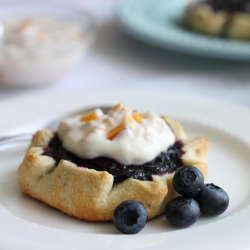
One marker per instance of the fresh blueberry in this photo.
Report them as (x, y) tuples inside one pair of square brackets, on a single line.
[(182, 212), (212, 199), (130, 217), (188, 181)]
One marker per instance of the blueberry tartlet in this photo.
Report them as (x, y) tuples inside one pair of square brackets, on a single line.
[(225, 18), (96, 161)]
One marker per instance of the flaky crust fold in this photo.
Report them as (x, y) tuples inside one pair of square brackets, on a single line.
[(92, 195)]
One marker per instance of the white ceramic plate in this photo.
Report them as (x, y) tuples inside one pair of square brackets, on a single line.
[(28, 224), (159, 23)]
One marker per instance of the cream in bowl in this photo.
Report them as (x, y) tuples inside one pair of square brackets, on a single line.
[(38, 49)]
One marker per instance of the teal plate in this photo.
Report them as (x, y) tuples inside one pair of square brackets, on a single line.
[(159, 23)]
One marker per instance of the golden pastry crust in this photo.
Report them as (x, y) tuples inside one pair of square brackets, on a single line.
[(91, 195), (239, 26), (200, 17)]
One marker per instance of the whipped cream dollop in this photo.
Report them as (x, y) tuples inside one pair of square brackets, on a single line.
[(124, 135), (23, 35)]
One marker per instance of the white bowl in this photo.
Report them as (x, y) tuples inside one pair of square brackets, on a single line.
[(27, 61)]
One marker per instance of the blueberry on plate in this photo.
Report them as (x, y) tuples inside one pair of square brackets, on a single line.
[(130, 217), (212, 199), (188, 181), (182, 212)]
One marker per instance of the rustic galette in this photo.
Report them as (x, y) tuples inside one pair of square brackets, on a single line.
[(95, 161)]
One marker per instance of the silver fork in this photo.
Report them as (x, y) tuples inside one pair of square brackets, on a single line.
[(24, 137)]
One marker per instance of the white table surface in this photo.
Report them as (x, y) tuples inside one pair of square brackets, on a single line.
[(116, 60)]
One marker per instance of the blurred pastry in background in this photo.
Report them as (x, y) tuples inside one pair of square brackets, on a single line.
[(225, 18)]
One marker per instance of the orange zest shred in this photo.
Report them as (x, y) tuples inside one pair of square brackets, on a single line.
[(89, 116), (137, 116), (128, 119), (116, 106), (114, 132), (120, 107)]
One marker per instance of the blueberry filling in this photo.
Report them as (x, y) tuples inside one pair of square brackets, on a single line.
[(230, 5), (165, 162)]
